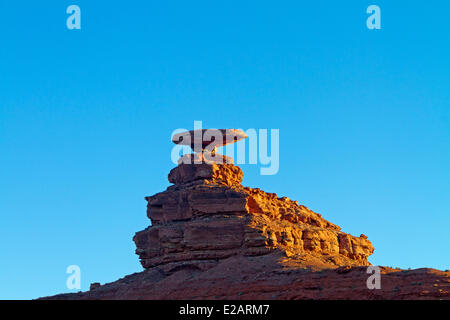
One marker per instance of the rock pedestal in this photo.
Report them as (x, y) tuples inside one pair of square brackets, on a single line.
[(207, 215)]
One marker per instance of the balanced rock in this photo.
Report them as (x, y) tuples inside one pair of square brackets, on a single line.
[(208, 139), (212, 238)]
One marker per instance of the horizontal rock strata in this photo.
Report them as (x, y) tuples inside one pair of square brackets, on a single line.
[(207, 215)]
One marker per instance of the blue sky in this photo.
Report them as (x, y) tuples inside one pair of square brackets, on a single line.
[(86, 117)]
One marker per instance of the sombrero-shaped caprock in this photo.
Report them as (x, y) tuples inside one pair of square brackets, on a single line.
[(211, 138)]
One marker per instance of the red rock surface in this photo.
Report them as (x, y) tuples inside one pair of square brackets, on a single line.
[(208, 215), (212, 238), (208, 139), (265, 277)]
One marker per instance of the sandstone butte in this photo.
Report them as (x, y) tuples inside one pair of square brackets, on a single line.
[(212, 238)]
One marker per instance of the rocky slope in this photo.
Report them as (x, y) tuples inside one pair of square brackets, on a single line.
[(212, 238), (265, 277)]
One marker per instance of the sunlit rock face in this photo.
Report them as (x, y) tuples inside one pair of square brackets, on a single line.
[(212, 238), (207, 215)]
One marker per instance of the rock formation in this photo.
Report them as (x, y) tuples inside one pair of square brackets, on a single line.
[(207, 215), (212, 238), (208, 140)]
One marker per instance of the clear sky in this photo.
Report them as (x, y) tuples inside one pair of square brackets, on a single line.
[(86, 117)]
